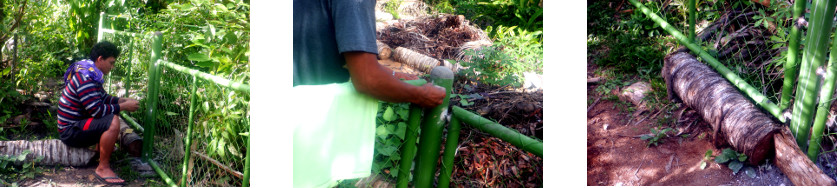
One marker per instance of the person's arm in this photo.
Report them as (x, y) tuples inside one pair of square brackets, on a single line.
[(371, 78)]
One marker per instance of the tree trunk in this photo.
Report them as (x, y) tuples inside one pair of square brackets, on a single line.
[(795, 164), (416, 60), (734, 119), (384, 52), (54, 152)]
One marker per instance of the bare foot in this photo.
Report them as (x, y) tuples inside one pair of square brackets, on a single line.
[(108, 175)]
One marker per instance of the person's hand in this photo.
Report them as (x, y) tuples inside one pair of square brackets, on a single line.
[(431, 96), (405, 76), (129, 105)]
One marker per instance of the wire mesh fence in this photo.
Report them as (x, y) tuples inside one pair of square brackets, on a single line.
[(215, 153)]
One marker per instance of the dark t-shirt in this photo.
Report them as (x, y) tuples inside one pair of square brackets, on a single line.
[(323, 30)]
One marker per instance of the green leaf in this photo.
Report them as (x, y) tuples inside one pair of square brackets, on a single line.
[(702, 165), (646, 137), (735, 166), (402, 129), (381, 132), (199, 57), (721, 159), (388, 114), (742, 157), (708, 154), (750, 172), (171, 113), (403, 113)]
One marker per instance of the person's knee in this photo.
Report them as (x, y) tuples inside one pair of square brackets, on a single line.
[(114, 124)]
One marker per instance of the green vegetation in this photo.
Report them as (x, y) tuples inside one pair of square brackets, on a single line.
[(12, 173), (656, 136), (391, 127)]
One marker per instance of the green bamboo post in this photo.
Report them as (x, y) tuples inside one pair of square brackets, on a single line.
[(163, 175), (245, 182), (431, 131), (209, 77), (813, 57), (99, 30), (134, 125), (791, 69), (193, 92), (451, 144), (502, 132), (824, 105), (732, 77), (151, 102), (408, 153), (129, 58), (692, 14)]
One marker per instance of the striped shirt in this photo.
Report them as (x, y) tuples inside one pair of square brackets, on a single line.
[(83, 98)]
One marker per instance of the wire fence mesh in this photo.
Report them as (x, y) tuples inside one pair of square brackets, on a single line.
[(220, 117)]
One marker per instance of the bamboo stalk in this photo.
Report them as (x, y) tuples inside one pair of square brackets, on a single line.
[(162, 174), (791, 69), (450, 152), (151, 103), (245, 182), (497, 130), (739, 83), (813, 57), (692, 13), (431, 131), (219, 165), (130, 121), (409, 150), (824, 105), (209, 77), (183, 180)]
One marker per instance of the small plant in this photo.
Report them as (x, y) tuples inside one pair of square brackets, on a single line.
[(391, 128), (656, 136), (391, 7), (492, 66), (735, 159), (13, 173)]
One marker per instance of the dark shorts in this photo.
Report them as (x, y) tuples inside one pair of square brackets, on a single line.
[(87, 132)]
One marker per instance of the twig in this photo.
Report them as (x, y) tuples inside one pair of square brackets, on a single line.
[(594, 104), (594, 80), (640, 166), (222, 166)]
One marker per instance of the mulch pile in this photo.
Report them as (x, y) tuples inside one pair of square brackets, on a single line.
[(443, 37)]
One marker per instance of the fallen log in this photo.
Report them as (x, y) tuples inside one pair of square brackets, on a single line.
[(384, 51), (414, 59), (54, 152), (795, 164), (735, 120)]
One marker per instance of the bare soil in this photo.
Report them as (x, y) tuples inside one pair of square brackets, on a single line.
[(617, 156)]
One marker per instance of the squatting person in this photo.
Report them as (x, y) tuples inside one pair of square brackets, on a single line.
[(86, 111)]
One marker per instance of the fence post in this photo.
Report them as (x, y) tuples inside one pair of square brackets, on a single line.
[(183, 180), (246, 180), (502, 132), (408, 153), (431, 136), (792, 64), (99, 30), (451, 144), (151, 102), (692, 15)]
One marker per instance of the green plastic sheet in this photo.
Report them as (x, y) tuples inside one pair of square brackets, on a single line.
[(334, 134)]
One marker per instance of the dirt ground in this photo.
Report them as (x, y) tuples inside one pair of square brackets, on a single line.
[(617, 156), (73, 177)]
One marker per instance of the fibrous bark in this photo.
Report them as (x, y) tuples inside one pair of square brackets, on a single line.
[(795, 164), (734, 119), (54, 152)]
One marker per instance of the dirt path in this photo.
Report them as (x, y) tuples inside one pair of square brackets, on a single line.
[(74, 177), (617, 156)]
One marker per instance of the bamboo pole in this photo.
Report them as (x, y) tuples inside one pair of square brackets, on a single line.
[(450, 152), (739, 83), (497, 130), (813, 57), (151, 103), (130, 121), (160, 171), (791, 69), (245, 182), (431, 131), (692, 13), (409, 151), (206, 76), (183, 180), (100, 29), (824, 105)]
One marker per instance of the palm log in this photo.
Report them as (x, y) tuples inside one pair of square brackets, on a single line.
[(734, 119)]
